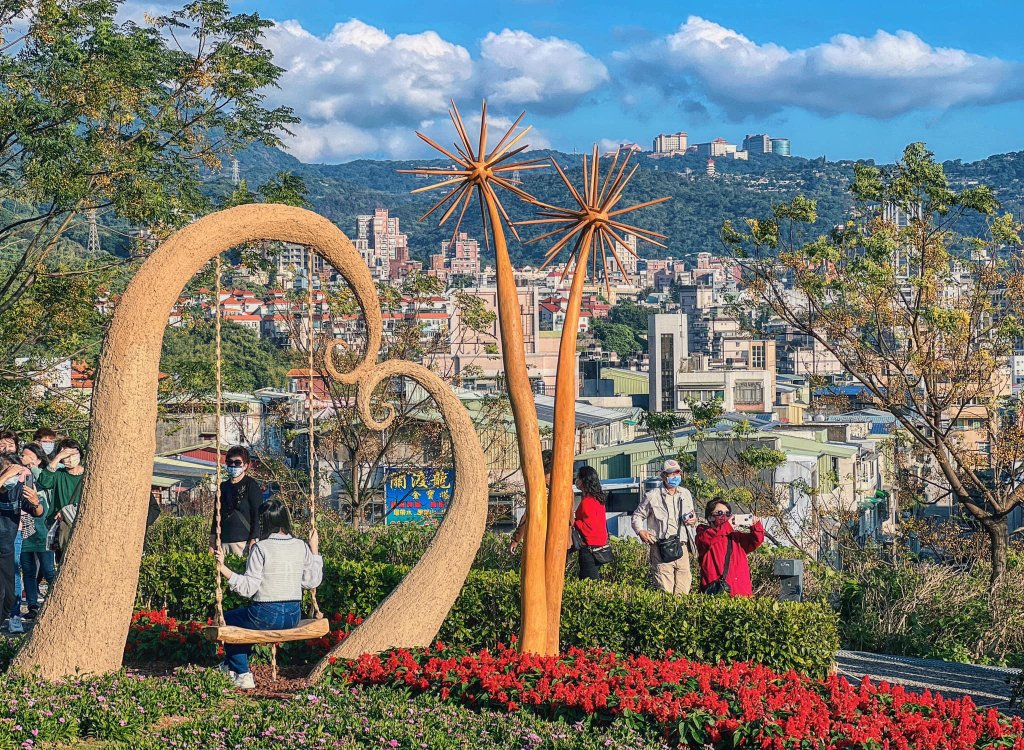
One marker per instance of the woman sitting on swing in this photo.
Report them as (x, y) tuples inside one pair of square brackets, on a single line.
[(278, 568)]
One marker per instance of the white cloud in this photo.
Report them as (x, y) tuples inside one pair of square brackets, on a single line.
[(551, 74), (360, 91), (880, 76)]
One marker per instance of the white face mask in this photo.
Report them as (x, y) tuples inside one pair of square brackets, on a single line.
[(72, 461), (47, 447)]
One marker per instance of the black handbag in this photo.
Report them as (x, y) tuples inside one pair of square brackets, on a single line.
[(669, 550), (603, 555), (719, 587)]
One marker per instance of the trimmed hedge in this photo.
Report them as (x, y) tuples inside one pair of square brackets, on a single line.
[(615, 617)]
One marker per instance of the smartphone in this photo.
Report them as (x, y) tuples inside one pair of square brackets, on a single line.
[(744, 520)]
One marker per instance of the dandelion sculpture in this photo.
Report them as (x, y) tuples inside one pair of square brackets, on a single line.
[(592, 227), (477, 174)]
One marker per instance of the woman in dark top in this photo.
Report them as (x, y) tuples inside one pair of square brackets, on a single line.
[(240, 498), (590, 521)]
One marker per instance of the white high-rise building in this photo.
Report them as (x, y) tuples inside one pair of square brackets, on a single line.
[(667, 345)]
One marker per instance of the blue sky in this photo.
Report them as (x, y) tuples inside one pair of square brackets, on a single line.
[(844, 80)]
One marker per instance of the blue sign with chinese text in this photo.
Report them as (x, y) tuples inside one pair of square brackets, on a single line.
[(417, 495)]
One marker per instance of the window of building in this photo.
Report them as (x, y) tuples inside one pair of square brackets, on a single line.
[(749, 393), (668, 372), (757, 358)]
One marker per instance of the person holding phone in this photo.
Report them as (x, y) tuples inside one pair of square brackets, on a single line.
[(723, 550), (664, 521)]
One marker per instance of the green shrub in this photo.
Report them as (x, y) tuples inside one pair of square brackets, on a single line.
[(621, 618)]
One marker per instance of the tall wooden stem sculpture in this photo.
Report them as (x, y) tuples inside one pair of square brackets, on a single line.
[(477, 174), (592, 225)]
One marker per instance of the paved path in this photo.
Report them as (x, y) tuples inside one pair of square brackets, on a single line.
[(987, 686)]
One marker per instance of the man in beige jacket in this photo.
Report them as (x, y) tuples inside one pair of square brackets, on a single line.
[(665, 512)]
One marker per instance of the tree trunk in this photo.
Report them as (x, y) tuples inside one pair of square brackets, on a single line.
[(84, 623), (533, 633), (998, 530), (560, 509)]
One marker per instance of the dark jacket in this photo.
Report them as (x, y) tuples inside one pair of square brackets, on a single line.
[(240, 511)]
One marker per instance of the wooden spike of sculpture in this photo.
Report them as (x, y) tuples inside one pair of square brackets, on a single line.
[(478, 172), (590, 223)]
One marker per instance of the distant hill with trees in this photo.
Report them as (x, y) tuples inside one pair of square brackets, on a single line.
[(692, 219)]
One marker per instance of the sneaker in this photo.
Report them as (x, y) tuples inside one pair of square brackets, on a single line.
[(33, 613), (14, 625), (244, 681)]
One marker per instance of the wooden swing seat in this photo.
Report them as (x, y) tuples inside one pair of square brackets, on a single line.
[(306, 630)]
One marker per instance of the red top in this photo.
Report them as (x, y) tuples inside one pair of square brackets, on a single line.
[(712, 543), (592, 522)]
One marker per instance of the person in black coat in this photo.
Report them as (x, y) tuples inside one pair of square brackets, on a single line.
[(240, 498)]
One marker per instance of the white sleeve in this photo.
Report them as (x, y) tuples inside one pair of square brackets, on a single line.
[(248, 583), (312, 570)]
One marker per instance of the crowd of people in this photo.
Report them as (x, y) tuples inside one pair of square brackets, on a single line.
[(40, 488), (666, 521)]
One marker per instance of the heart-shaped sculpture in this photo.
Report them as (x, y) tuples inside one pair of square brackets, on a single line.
[(84, 623)]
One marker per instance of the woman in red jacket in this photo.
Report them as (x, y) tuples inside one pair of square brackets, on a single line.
[(591, 521), (713, 541)]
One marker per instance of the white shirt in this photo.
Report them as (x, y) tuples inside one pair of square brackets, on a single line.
[(279, 567)]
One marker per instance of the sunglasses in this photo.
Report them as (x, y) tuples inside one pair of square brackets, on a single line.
[(236, 462), (722, 513)]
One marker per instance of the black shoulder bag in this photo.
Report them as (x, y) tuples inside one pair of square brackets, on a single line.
[(719, 587), (671, 549)]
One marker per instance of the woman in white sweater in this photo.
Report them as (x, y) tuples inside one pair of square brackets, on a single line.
[(278, 569)]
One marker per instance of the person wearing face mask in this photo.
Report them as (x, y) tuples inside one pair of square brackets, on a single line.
[(62, 476), (46, 439), (36, 561), (240, 499), (664, 521), (16, 495), (723, 551)]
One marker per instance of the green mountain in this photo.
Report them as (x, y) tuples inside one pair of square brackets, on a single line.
[(691, 220)]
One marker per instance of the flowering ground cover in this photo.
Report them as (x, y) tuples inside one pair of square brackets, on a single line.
[(692, 704), (195, 709)]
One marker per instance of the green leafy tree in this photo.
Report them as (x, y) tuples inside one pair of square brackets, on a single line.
[(922, 314), (119, 117), (617, 338)]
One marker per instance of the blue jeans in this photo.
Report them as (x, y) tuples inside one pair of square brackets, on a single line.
[(9, 531), (16, 611), (258, 616), (32, 564)]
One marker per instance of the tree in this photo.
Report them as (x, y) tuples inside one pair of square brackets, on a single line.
[(119, 117), (923, 315), (617, 337)]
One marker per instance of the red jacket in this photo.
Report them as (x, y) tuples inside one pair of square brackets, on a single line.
[(712, 544), (592, 522)]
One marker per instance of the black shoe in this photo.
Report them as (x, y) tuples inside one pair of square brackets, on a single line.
[(31, 614)]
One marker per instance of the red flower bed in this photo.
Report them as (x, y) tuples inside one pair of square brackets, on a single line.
[(724, 706)]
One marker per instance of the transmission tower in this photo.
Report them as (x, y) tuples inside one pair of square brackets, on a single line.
[(94, 234), (234, 171)]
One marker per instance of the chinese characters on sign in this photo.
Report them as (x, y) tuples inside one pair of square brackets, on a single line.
[(417, 495)]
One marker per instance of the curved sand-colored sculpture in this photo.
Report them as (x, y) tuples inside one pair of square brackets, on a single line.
[(84, 623)]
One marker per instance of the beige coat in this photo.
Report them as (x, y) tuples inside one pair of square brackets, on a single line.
[(655, 511)]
